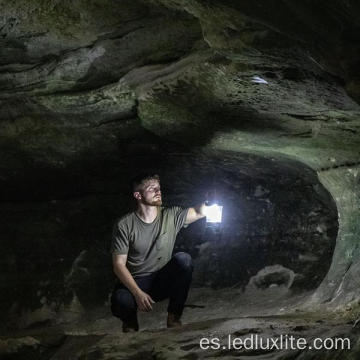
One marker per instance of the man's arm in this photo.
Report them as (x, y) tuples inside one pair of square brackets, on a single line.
[(143, 300), (195, 213)]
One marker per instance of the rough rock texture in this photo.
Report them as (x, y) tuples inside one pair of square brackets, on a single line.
[(260, 98), (222, 316), (272, 276), (259, 227)]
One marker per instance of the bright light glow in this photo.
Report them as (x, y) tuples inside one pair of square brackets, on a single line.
[(258, 80), (213, 213)]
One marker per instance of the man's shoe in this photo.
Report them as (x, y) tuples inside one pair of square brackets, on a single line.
[(173, 320), (130, 327)]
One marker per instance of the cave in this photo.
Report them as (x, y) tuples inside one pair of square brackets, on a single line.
[(257, 100)]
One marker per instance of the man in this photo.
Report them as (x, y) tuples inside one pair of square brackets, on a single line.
[(142, 247)]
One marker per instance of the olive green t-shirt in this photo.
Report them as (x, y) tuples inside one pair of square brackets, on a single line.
[(148, 246)]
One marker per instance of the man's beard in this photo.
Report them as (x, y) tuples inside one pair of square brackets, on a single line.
[(153, 202)]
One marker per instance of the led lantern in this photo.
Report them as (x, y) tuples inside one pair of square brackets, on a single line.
[(213, 213)]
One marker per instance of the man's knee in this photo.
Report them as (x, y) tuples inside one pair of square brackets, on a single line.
[(184, 261), (122, 301)]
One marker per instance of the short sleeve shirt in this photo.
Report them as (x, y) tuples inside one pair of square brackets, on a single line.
[(148, 246)]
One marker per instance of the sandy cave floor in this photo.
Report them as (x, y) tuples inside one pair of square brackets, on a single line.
[(209, 313)]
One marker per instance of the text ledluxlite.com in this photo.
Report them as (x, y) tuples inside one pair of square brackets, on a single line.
[(282, 342)]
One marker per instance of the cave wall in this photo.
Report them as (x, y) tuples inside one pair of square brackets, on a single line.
[(91, 92)]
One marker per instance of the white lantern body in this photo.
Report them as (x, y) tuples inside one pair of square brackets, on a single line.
[(213, 213)]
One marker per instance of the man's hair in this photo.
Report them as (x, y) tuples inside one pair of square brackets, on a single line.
[(141, 179)]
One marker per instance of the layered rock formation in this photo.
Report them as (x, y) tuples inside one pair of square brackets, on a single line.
[(259, 99)]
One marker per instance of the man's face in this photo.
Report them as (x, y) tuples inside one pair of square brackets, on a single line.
[(150, 193)]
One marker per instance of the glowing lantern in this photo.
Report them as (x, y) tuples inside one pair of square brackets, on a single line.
[(213, 213)]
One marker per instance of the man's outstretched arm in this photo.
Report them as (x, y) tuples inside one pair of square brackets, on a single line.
[(143, 299), (195, 213)]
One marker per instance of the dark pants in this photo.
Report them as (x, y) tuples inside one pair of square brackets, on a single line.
[(172, 281)]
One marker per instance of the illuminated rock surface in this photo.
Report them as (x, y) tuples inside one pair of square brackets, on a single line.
[(259, 99)]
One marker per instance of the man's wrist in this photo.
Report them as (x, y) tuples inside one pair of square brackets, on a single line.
[(137, 292)]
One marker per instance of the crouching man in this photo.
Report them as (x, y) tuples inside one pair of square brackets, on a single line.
[(142, 247)]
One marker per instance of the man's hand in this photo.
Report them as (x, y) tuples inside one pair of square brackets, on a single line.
[(144, 301)]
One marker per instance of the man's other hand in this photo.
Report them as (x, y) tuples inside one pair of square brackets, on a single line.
[(144, 301)]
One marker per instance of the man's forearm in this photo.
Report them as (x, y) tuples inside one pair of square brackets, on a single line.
[(126, 278), (195, 213)]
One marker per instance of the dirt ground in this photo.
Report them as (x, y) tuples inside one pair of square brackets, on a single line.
[(268, 322)]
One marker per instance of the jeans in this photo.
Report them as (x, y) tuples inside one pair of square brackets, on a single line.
[(171, 281)]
